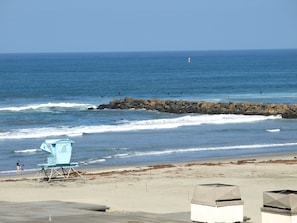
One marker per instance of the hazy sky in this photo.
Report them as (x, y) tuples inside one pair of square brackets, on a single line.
[(146, 25)]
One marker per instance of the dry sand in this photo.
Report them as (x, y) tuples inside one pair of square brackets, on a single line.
[(161, 189)]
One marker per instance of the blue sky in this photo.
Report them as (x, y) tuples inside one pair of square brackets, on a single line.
[(146, 25)]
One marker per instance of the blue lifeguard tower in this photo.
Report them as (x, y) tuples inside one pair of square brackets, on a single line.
[(59, 165)]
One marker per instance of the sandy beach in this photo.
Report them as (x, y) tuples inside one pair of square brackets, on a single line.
[(159, 189)]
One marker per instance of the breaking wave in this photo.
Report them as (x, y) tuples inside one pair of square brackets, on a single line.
[(273, 130), (24, 151), (198, 149), (122, 126), (47, 107)]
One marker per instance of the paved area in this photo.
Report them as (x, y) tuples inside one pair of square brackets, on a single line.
[(64, 212)]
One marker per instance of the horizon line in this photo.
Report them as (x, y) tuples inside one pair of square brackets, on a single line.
[(145, 51)]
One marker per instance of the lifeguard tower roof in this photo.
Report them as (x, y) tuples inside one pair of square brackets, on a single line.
[(59, 151)]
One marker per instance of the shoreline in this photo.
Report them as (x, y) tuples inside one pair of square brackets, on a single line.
[(244, 158), (247, 158), (161, 188)]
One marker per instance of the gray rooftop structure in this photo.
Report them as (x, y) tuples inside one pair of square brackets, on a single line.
[(284, 201), (217, 195)]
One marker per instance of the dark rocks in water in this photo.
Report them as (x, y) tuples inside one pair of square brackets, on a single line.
[(288, 111)]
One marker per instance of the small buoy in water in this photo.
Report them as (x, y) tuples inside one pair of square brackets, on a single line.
[(189, 59)]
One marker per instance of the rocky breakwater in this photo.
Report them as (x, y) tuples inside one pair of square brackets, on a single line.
[(288, 111)]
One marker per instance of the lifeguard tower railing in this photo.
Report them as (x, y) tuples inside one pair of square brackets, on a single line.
[(59, 165)]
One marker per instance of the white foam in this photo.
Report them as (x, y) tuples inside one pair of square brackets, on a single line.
[(9, 172), (27, 151), (92, 161), (169, 123), (187, 150), (122, 155), (273, 130), (46, 106)]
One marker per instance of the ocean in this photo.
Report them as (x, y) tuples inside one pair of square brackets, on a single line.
[(47, 96)]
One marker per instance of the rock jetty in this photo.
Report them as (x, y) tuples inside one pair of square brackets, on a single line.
[(288, 111)]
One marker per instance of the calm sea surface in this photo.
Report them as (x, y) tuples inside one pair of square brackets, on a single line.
[(46, 96)]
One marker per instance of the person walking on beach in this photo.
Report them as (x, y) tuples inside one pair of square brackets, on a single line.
[(18, 166)]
